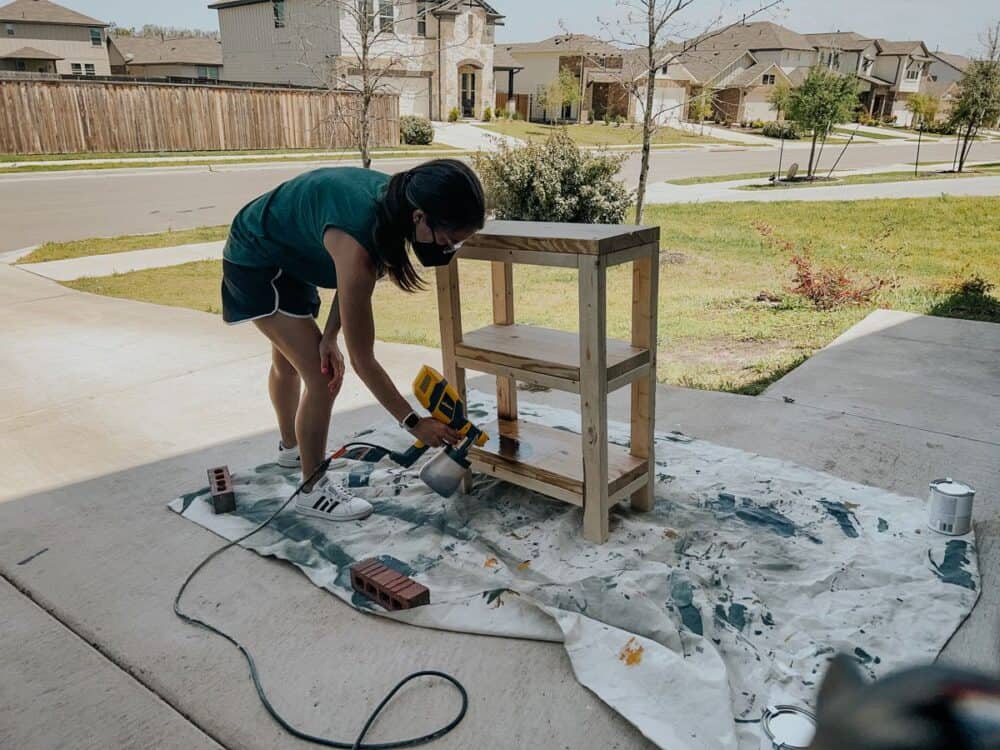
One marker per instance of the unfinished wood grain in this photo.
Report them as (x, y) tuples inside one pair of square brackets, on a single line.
[(594, 397), (523, 257), (558, 237), (74, 116), (450, 319), (503, 316), (547, 456), (526, 351), (645, 295)]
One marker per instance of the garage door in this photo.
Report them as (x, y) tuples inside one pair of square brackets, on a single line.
[(668, 104)]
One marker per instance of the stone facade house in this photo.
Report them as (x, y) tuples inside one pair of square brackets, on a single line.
[(437, 55), (38, 36)]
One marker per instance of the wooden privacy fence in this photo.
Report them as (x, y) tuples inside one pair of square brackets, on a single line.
[(50, 117)]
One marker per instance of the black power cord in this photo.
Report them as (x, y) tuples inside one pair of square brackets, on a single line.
[(255, 675)]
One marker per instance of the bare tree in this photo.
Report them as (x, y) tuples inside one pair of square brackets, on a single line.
[(373, 51), (652, 33), (978, 102)]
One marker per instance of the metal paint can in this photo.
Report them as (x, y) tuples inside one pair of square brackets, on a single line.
[(949, 507), (787, 728)]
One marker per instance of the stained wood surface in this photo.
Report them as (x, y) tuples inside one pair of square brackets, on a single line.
[(503, 315), (541, 351), (548, 457), (72, 116), (558, 237)]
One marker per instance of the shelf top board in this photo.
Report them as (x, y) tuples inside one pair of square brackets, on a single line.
[(559, 237)]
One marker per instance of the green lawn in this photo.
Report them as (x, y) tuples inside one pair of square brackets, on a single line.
[(713, 333), (106, 245), (720, 178), (875, 178), (866, 134), (599, 134)]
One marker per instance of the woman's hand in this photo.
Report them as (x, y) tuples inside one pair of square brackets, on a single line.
[(434, 433), (331, 362)]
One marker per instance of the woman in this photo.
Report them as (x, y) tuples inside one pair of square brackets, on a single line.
[(339, 228)]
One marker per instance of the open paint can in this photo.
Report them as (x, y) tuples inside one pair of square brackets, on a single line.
[(949, 507), (787, 728)]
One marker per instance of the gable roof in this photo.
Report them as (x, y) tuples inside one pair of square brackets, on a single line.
[(754, 36), (156, 51), (958, 62), (44, 11), (577, 43), (502, 59), (885, 47), (704, 65), (30, 53), (848, 41), (452, 6)]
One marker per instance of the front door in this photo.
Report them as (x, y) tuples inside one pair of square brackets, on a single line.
[(468, 94)]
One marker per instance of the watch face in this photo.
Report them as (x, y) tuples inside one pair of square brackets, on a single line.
[(411, 420)]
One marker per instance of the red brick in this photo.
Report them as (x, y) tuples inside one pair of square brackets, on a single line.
[(387, 587)]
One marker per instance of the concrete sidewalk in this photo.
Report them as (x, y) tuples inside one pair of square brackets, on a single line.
[(133, 260), (111, 407), (469, 137)]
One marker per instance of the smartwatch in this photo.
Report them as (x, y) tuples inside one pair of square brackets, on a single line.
[(410, 421)]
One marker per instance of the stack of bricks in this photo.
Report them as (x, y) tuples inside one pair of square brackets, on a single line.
[(387, 587)]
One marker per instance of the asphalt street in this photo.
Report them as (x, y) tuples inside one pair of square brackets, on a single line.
[(42, 206)]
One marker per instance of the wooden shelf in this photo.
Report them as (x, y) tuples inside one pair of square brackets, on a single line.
[(550, 461), (557, 238), (544, 356)]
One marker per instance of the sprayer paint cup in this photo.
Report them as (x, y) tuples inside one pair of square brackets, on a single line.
[(949, 507)]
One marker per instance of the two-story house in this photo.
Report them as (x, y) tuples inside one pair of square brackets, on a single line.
[(38, 36), (157, 57), (435, 54)]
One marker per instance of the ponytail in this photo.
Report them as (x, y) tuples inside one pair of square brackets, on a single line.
[(447, 190)]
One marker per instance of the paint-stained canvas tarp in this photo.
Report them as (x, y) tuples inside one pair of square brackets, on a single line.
[(730, 595)]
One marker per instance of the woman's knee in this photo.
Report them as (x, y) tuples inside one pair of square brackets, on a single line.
[(318, 386), (281, 367)]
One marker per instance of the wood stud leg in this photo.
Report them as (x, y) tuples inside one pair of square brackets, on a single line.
[(645, 291), (503, 314), (594, 396), (450, 317)]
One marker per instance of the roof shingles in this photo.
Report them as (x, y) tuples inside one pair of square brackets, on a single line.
[(44, 11)]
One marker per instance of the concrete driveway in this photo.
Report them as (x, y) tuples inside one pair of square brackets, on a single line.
[(109, 408)]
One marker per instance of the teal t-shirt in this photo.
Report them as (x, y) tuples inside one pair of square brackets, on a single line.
[(284, 228)]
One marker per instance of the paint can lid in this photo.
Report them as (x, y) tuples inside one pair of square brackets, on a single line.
[(788, 727), (949, 486)]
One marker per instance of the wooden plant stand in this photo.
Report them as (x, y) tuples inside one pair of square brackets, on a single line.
[(582, 470)]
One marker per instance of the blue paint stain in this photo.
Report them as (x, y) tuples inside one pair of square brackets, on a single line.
[(767, 619), (398, 565), (360, 475), (737, 615), (843, 515), (683, 596), (756, 515), (883, 525), (952, 568)]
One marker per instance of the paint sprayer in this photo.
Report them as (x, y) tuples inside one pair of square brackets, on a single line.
[(444, 471)]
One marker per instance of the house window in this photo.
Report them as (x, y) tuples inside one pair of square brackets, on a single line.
[(76, 68), (89, 69), (278, 8), (913, 74), (421, 19), (95, 38), (208, 71), (386, 16), (20, 65), (768, 79), (10, 29)]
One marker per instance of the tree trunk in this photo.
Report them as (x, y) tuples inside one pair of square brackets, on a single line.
[(970, 133), (364, 141), (647, 120), (812, 154)]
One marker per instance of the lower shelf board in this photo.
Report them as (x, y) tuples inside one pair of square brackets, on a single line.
[(548, 460)]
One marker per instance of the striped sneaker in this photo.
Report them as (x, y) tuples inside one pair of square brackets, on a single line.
[(288, 458), (332, 502)]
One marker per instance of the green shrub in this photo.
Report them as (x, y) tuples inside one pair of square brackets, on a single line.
[(786, 130), (517, 116), (757, 124), (941, 128), (618, 120), (454, 114), (554, 180), (488, 114), (415, 130)]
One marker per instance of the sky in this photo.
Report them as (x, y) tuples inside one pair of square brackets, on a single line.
[(952, 26)]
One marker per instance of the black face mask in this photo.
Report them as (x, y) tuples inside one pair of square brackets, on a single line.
[(431, 254)]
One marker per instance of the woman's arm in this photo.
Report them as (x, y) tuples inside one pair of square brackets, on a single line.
[(332, 329), (355, 284)]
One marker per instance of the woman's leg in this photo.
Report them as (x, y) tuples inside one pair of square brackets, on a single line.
[(285, 387), (297, 339)]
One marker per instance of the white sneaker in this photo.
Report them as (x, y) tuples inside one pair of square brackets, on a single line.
[(330, 501), (288, 458)]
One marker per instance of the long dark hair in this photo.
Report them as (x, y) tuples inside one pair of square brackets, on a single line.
[(447, 190)]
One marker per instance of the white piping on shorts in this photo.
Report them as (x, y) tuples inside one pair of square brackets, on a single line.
[(293, 315), (277, 301)]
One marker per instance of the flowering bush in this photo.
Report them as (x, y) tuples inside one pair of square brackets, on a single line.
[(786, 130), (415, 130), (554, 180)]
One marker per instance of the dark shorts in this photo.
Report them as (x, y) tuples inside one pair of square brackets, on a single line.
[(251, 293)]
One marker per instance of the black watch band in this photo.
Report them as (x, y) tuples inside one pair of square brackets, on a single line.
[(410, 421)]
